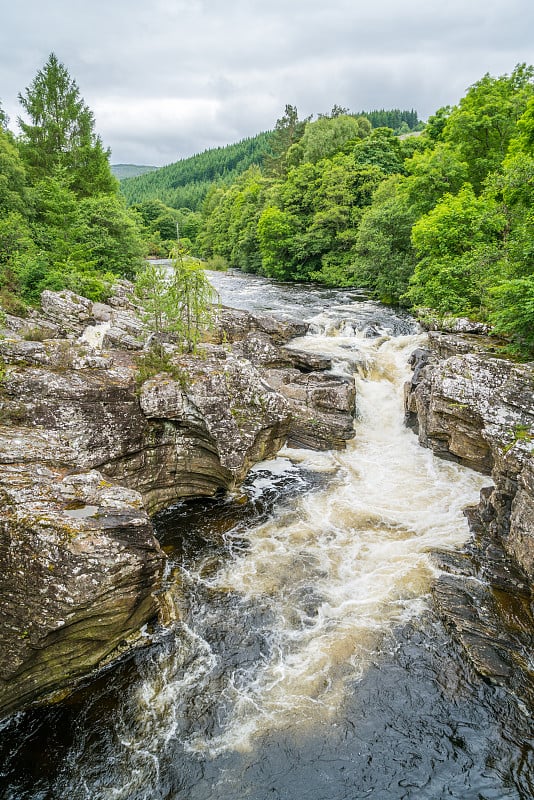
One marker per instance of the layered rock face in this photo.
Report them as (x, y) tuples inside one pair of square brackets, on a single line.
[(79, 566), (88, 450), (471, 406), (478, 409), (321, 404)]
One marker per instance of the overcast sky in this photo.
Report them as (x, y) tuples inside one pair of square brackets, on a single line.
[(169, 78)]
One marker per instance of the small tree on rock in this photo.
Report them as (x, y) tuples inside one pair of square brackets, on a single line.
[(194, 297), (179, 301)]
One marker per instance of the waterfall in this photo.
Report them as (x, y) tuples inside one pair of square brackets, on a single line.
[(307, 662)]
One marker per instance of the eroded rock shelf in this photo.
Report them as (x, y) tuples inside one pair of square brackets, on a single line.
[(87, 452)]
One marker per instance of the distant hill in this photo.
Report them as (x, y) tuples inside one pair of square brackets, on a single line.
[(122, 171), (185, 183)]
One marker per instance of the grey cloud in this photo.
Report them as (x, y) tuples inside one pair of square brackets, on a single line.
[(172, 77)]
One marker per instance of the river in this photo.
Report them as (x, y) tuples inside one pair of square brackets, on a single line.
[(309, 662)]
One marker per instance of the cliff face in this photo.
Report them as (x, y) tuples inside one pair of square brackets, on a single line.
[(473, 407), (478, 409), (79, 566), (88, 450)]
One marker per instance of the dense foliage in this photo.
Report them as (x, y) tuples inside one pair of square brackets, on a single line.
[(399, 120), (185, 183), (63, 223), (442, 220)]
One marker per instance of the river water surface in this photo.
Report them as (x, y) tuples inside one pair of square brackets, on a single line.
[(308, 662)]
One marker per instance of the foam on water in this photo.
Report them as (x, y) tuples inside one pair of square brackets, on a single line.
[(330, 573), (93, 335), (348, 562)]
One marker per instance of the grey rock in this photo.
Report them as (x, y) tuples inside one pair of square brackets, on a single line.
[(450, 324), (322, 407), (307, 362), (234, 325), (79, 566), (69, 311), (478, 409)]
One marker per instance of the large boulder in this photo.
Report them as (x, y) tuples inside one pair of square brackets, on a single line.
[(69, 311), (205, 429), (322, 407), (80, 567)]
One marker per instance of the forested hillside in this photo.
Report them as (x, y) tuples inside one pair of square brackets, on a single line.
[(122, 171), (444, 220), (185, 183), (63, 223), (399, 120), (171, 200)]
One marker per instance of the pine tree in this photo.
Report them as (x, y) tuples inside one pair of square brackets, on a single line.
[(3, 119), (60, 133), (288, 131)]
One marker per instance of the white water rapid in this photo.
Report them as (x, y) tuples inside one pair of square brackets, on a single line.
[(333, 572), (308, 660)]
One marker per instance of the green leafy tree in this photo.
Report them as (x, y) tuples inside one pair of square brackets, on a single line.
[(12, 177), (60, 133), (380, 149), (384, 256), (276, 234), (436, 124), (327, 135), (511, 305), (16, 245), (432, 173), (484, 122), (231, 220), (457, 244), (179, 302), (110, 234), (194, 296)]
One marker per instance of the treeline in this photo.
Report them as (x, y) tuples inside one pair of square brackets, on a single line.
[(63, 222), (400, 121), (444, 220), (185, 183)]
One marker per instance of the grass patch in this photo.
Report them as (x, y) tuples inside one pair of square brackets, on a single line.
[(152, 363)]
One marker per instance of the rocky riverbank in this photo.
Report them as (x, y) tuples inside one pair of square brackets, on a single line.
[(92, 442), (471, 405)]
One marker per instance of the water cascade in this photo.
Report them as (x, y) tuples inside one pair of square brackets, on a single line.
[(307, 661)]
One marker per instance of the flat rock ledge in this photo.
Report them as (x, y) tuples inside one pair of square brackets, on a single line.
[(474, 407), (88, 451)]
